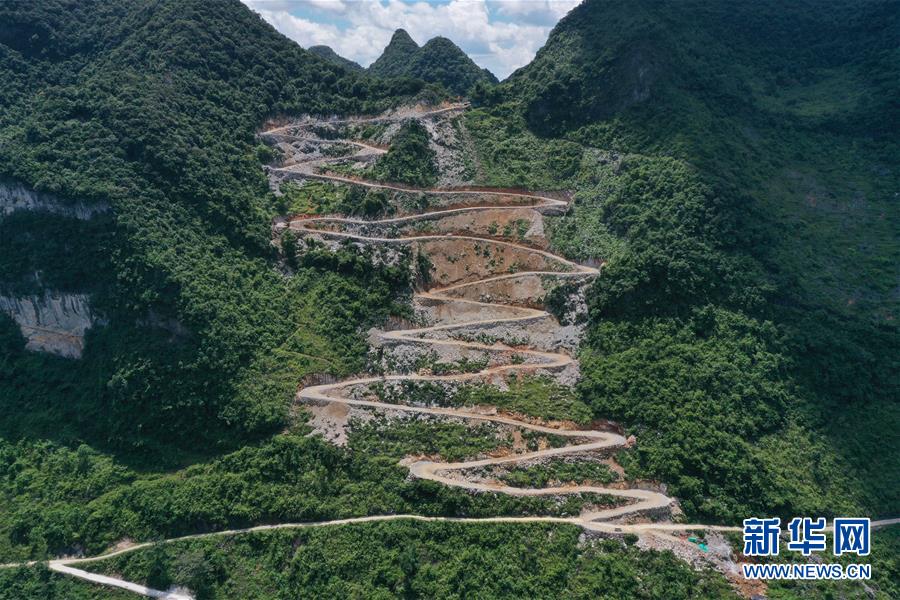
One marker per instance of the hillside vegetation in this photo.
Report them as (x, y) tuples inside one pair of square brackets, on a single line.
[(742, 199), (152, 107), (409, 159), (331, 56), (420, 560), (438, 61)]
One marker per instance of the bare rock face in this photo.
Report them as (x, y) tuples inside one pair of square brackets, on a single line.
[(54, 323), (452, 150), (15, 196)]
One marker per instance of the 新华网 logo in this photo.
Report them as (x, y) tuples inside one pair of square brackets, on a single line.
[(807, 535)]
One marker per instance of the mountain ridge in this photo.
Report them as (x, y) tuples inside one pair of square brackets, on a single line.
[(770, 128), (439, 60), (327, 53)]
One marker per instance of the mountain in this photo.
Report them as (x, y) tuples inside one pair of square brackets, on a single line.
[(734, 172), (175, 264), (747, 199), (438, 61), (397, 56), (331, 56), (133, 199), (135, 217), (712, 61), (442, 61)]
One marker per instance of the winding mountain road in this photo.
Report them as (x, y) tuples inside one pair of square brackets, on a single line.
[(642, 500), (460, 313)]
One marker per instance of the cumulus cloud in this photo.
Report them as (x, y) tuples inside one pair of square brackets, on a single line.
[(540, 12), (501, 35)]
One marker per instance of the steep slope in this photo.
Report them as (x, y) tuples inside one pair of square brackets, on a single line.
[(150, 109), (131, 127), (442, 61), (397, 56), (333, 57), (174, 421), (834, 70), (746, 312), (438, 61)]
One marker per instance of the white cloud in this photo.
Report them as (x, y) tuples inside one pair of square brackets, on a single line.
[(545, 12), (359, 30), (335, 6)]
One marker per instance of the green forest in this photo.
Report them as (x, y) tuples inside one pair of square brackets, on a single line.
[(734, 169), (409, 159), (152, 108), (87, 115), (748, 339), (420, 560), (439, 61)]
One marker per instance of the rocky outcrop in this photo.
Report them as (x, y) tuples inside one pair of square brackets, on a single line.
[(51, 322), (15, 196), (54, 323)]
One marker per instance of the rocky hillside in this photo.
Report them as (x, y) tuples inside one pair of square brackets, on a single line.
[(42, 291), (438, 61)]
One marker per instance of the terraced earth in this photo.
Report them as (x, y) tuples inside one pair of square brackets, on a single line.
[(484, 285)]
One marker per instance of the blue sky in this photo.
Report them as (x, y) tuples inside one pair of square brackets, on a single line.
[(501, 35)]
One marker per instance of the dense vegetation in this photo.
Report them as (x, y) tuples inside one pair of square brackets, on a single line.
[(439, 61), (419, 560), (152, 107), (320, 197), (40, 583), (33, 243), (409, 160), (509, 155), (396, 55), (58, 500), (325, 52), (743, 326)]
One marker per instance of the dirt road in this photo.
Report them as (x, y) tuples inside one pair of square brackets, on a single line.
[(461, 314)]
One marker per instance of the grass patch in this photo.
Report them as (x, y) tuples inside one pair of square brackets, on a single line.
[(534, 396), (558, 472)]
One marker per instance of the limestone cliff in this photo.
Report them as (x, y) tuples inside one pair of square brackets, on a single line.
[(54, 323), (15, 196), (51, 321)]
